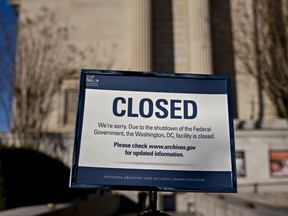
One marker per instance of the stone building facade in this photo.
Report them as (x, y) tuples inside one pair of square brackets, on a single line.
[(177, 36)]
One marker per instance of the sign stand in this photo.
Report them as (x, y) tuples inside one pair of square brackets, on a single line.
[(127, 111), (153, 206)]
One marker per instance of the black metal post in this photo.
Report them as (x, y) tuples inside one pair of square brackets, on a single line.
[(153, 200), (152, 206)]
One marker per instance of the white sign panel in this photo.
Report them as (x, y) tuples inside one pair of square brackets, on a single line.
[(169, 133)]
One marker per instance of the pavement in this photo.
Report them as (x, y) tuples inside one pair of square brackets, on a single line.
[(171, 214), (261, 209)]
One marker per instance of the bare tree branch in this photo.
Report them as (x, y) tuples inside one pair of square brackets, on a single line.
[(41, 61), (42, 58), (271, 52)]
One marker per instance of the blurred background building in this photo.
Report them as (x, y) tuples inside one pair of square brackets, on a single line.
[(239, 38)]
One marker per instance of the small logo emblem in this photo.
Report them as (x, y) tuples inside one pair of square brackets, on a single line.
[(92, 81)]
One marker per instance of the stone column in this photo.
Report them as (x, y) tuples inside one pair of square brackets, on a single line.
[(199, 40), (142, 56)]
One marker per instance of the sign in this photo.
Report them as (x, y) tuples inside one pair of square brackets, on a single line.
[(154, 131)]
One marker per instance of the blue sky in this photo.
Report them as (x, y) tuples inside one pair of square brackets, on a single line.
[(8, 23)]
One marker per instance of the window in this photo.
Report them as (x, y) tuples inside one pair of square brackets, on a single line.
[(240, 164), (71, 97), (279, 163)]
